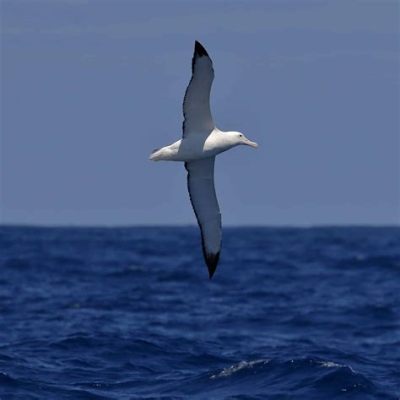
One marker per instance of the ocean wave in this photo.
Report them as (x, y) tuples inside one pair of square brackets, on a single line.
[(317, 377)]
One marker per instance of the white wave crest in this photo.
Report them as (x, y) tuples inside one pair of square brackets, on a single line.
[(237, 367), (330, 364)]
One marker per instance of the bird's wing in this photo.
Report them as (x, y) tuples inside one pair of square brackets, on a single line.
[(200, 180), (196, 103)]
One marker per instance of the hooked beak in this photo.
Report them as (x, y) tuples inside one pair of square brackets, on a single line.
[(250, 143)]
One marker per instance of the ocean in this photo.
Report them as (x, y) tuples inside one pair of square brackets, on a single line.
[(129, 313)]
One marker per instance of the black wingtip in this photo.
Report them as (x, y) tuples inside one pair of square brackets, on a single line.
[(199, 49), (212, 262)]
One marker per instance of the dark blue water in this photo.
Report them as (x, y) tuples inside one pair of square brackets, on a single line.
[(131, 314)]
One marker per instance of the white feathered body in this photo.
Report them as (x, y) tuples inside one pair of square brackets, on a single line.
[(196, 147)]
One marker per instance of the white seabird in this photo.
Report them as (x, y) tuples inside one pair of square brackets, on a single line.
[(201, 142)]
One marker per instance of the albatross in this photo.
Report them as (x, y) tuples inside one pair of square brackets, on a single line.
[(201, 142)]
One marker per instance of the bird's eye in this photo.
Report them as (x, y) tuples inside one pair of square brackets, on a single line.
[(240, 135)]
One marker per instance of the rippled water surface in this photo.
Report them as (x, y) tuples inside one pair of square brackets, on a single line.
[(130, 314)]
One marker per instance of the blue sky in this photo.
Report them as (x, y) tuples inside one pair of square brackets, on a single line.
[(89, 88)]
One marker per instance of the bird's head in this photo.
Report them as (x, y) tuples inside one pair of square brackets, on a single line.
[(238, 138)]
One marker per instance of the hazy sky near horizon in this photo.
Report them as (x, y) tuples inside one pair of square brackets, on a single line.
[(89, 88)]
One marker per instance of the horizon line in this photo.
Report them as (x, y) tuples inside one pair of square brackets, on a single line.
[(229, 226)]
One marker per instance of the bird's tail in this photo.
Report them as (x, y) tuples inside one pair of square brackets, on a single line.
[(155, 155)]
